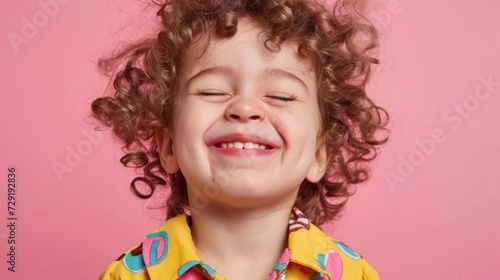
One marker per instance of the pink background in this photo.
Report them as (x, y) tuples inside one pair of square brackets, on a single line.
[(429, 212)]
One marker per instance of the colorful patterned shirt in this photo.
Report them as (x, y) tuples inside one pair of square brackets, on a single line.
[(169, 253)]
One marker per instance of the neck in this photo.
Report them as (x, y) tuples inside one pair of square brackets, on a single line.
[(240, 244)]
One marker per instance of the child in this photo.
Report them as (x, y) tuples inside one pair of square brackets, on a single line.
[(254, 113)]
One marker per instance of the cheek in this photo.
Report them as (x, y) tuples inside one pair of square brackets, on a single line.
[(193, 120), (185, 137), (305, 120), (299, 130), (190, 127), (190, 153)]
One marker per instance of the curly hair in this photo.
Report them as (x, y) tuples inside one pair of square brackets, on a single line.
[(339, 42)]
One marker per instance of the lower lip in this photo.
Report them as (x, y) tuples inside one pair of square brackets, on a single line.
[(243, 152)]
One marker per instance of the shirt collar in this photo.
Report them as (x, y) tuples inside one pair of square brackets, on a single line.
[(169, 252), (179, 253), (306, 242)]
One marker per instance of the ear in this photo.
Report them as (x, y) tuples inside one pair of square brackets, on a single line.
[(165, 144), (319, 164)]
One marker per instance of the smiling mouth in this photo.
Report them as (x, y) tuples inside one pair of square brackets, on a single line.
[(242, 145)]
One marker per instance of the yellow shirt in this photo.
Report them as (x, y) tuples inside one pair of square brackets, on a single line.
[(169, 253)]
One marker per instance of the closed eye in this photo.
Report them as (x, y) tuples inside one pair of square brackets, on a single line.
[(210, 93), (282, 98)]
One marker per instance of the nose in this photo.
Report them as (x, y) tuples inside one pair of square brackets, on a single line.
[(245, 110)]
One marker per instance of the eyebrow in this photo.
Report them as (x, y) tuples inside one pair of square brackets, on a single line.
[(280, 73), (229, 71), (222, 69)]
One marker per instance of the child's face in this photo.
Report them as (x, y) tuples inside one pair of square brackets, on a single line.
[(238, 93)]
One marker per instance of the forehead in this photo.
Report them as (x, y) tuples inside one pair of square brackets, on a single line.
[(243, 48)]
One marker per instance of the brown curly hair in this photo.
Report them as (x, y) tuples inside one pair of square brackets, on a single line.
[(339, 42)]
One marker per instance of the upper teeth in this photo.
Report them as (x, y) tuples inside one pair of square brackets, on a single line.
[(241, 145)]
